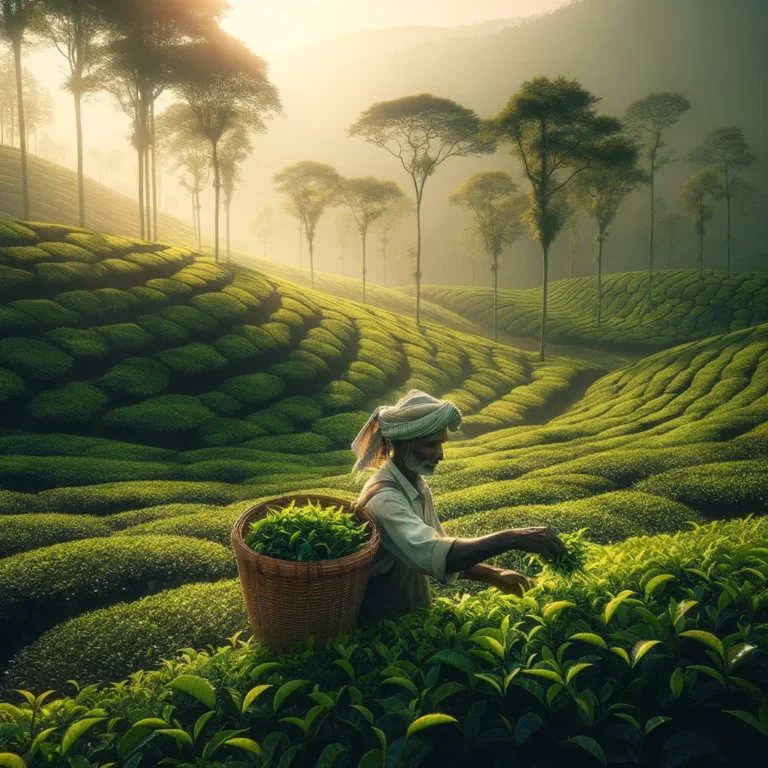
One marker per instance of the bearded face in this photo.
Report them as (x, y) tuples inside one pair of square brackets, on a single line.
[(415, 461)]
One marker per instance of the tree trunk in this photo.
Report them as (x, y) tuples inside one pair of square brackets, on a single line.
[(384, 244), (545, 277), (573, 255), (154, 168), (194, 214), (599, 277), (199, 224), (650, 252), (141, 193), (311, 240), (364, 265), (22, 128), (495, 296), (217, 192), (418, 259), (2, 125), (80, 164), (728, 230), (228, 206), (701, 252), (301, 246), (148, 198)]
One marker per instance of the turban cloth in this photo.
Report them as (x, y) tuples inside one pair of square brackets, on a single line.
[(415, 415)]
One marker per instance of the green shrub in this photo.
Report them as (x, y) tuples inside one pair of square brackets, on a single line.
[(228, 431), (220, 306), (149, 297), (236, 348), (68, 252), (280, 332), (11, 385), (194, 358), (13, 280), (299, 443), (79, 344), (258, 337), (165, 414), (85, 303), (215, 524), (34, 359), (121, 269), (221, 404), (163, 331), (137, 377), (21, 533), (174, 289), (98, 244), (273, 421), (14, 233), (90, 649), (293, 371), (341, 396), (75, 403), (13, 322), (302, 410), (341, 428), (254, 388), (187, 317), (70, 274), (47, 313), (23, 256), (287, 318), (126, 337), (117, 302), (307, 533)]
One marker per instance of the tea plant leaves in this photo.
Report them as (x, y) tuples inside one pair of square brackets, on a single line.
[(639, 649), (592, 639), (249, 745), (574, 670), (428, 721), (551, 610), (455, 659), (446, 690), (655, 722), (677, 682), (707, 638), (655, 583), (591, 746), (525, 726), (197, 687), (267, 666), (76, 730), (750, 719), (612, 605), (178, 734), (252, 695), (285, 690), (9, 760), (491, 644)]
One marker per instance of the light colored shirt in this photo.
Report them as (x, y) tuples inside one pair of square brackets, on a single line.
[(413, 546)]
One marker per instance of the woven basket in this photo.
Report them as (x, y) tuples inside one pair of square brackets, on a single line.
[(288, 602)]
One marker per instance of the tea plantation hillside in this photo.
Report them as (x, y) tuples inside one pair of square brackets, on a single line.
[(684, 307), (53, 192), (148, 396)]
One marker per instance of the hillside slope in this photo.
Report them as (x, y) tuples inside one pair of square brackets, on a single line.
[(684, 307)]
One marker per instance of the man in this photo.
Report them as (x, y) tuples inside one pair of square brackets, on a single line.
[(405, 442)]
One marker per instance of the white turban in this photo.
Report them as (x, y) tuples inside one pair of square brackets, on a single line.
[(415, 415)]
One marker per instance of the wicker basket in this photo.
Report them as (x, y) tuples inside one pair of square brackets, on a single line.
[(288, 602)]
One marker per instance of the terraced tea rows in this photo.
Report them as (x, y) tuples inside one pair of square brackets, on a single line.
[(684, 307)]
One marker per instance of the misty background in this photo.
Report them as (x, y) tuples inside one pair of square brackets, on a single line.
[(329, 67)]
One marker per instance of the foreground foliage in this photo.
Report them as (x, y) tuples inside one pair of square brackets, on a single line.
[(655, 654)]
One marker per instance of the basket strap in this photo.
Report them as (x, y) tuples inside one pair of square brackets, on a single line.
[(373, 489)]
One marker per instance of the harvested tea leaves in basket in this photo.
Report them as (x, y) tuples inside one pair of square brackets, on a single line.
[(307, 533)]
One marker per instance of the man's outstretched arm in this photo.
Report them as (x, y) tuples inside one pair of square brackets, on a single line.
[(466, 553)]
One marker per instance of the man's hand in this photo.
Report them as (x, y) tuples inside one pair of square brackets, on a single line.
[(510, 582), (539, 541)]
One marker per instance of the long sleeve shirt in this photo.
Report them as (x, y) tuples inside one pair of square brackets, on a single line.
[(413, 546)]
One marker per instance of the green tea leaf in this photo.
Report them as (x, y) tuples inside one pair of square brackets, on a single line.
[(252, 695), (707, 638), (76, 730), (589, 637), (285, 690), (428, 721), (612, 605), (249, 745), (591, 746), (197, 687)]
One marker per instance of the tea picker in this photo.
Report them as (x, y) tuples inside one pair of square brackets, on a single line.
[(405, 442)]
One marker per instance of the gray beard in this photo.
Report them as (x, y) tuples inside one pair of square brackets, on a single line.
[(415, 464)]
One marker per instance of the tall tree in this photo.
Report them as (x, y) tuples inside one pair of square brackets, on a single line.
[(367, 199), (344, 226), (15, 18), (226, 87), (492, 197), (264, 227), (727, 150), (235, 150), (648, 119), (669, 222), (74, 28), (695, 196), (145, 38), (38, 107), (422, 132), (555, 131), (600, 194), (311, 188), (388, 222)]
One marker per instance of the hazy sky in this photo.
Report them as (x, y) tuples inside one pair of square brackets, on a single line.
[(274, 25)]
